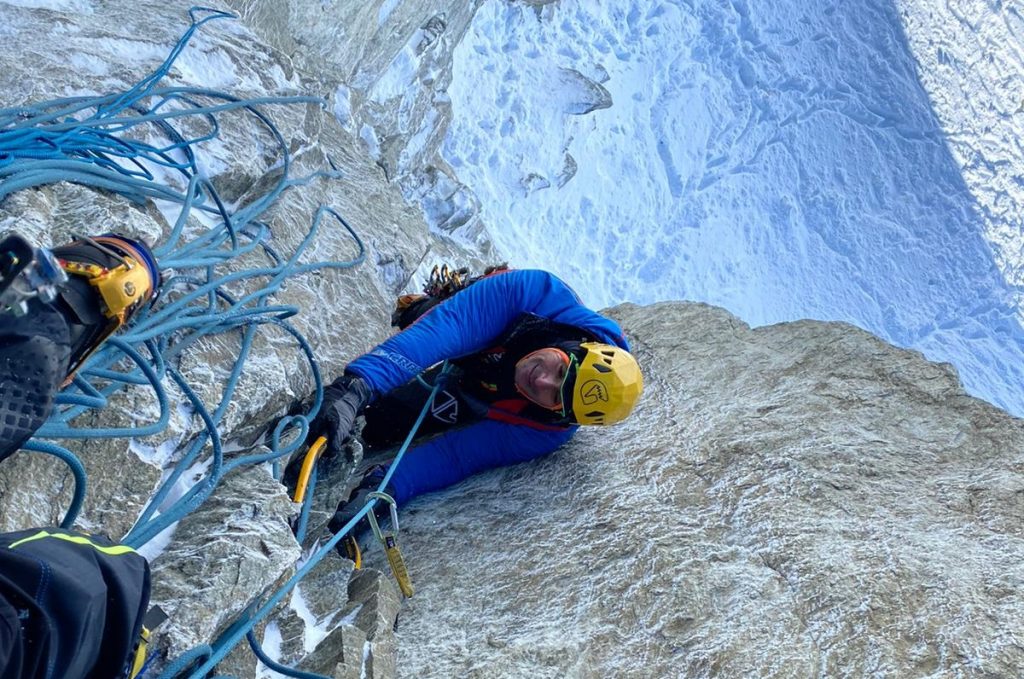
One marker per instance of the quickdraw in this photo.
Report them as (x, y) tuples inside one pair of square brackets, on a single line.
[(390, 542)]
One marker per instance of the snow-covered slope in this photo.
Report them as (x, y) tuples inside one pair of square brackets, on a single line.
[(782, 160)]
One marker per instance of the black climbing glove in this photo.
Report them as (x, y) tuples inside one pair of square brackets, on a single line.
[(357, 499), (344, 399)]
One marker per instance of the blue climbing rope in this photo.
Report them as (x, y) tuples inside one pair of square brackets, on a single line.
[(274, 665), (83, 140), (241, 628), (77, 471), (97, 142)]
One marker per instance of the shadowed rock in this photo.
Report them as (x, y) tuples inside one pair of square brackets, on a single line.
[(230, 550), (578, 94)]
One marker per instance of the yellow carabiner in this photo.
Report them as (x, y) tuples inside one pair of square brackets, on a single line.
[(307, 467), (355, 554), (390, 542)]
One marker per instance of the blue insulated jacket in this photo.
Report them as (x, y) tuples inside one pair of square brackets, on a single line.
[(470, 321)]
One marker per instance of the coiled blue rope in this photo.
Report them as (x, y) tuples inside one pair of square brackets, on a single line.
[(77, 471), (81, 140)]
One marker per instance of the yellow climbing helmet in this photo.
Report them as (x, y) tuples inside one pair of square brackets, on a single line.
[(607, 384)]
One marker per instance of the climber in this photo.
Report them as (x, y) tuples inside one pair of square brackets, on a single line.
[(531, 363), (71, 606), (57, 306)]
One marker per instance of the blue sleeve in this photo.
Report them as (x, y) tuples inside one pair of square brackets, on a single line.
[(458, 454), (473, 320)]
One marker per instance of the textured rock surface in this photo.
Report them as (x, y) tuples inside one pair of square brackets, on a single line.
[(338, 622), (37, 490), (797, 500), (390, 63), (396, 236), (579, 94), (236, 545)]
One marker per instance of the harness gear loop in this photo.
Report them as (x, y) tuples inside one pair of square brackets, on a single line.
[(390, 542), (312, 455)]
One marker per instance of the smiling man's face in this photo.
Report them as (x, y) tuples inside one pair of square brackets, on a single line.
[(540, 374)]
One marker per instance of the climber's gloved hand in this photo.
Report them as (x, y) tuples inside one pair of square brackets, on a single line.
[(344, 400), (357, 499)]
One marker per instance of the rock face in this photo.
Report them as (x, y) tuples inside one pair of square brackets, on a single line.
[(796, 500), (389, 64), (238, 545), (579, 94)]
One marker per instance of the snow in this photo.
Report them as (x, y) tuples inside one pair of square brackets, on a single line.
[(782, 160), (386, 8), (158, 455), (314, 631), (394, 83), (369, 138), (271, 645), (193, 475), (78, 6), (343, 106), (213, 67)]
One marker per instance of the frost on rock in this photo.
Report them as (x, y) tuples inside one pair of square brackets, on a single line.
[(225, 554), (579, 95), (797, 500), (238, 545), (801, 499)]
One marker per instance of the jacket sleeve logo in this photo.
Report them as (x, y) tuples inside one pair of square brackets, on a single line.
[(445, 408)]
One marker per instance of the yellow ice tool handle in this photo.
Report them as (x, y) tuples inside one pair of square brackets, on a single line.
[(140, 654), (390, 542), (154, 617), (307, 467), (121, 287)]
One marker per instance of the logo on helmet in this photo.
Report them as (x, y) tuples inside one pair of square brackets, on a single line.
[(593, 391)]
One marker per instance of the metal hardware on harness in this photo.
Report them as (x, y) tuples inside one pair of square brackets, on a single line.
[(390, 542), (445, 281), (26, 272)]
